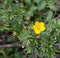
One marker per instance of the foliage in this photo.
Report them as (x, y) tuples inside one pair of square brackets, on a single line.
[(18, 16)]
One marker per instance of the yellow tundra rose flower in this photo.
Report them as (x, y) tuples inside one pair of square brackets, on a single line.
[(38, 27)]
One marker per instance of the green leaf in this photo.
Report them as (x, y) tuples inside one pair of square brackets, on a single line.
[(37, 1), (49, 15), (29, 14), (52, 7), (29, 50), (28, 2), (42, 5)]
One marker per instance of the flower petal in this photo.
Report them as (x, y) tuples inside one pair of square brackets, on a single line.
[(41, 23), (42, 28), (37, 23), (37, 31)]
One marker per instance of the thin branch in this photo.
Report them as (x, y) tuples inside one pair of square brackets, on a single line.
[(11, 45)]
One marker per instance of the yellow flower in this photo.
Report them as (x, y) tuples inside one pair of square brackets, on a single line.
[(38, 27)]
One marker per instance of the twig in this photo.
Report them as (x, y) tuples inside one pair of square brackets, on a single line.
[(11, 45)]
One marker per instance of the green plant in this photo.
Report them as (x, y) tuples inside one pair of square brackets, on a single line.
[(17, 18)]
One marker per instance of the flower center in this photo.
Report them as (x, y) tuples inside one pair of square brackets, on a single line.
[(38, 27)]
